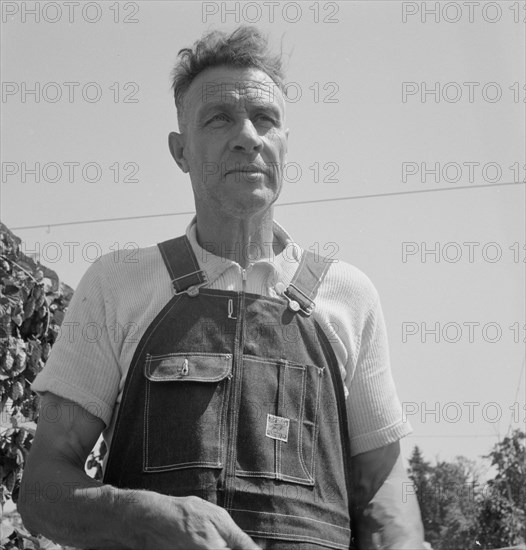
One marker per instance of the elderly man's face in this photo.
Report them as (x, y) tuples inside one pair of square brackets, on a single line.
[(233, 141)]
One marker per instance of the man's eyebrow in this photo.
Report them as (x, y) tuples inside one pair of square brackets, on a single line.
[(208, 106)]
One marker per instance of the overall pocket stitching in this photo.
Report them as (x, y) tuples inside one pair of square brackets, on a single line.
[(282, 391), (179, 465), (300, 430), (150, 357), (297, 453), (316, 427), (224, 371), (216, 461), (182, 465), (277, 362), (259, 473)]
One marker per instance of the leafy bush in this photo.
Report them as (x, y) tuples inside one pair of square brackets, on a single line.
[(32, 306)]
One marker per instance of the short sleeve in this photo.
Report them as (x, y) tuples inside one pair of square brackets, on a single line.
[(82, 365), (374, 410)]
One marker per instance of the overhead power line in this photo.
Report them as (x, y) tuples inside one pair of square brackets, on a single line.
[(291, 203)]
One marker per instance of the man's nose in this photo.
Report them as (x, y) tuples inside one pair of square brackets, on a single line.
[(246, 139)]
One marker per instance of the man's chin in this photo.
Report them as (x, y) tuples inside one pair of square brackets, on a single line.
[(249, 204)]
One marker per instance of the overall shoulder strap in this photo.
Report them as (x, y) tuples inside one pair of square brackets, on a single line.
[(182, 265), (306, 281), (302, 292)]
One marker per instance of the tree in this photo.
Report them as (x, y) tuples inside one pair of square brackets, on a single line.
[(502, 504), (459, 512), (419, 473), (455, 510)]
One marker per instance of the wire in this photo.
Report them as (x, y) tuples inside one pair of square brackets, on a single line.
[(292, 203)]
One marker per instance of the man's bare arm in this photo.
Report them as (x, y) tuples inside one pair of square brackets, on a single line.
[(60, 501), (386, 513)]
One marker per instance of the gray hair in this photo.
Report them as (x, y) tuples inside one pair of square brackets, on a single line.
[(245, 47)]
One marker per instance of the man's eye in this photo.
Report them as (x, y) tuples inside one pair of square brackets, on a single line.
[(218, 117), (267, 118)]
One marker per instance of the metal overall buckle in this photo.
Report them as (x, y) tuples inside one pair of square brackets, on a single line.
[(192, 290), (294, 305)]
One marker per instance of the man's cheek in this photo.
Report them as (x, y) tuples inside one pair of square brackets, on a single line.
[(208, 171)]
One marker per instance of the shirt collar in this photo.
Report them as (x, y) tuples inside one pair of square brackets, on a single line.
[(283, 265)]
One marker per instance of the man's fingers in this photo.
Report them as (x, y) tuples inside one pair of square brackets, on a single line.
[(235, 538), (244, 542), (239, 540)]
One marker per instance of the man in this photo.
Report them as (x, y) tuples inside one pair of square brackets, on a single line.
[(248, 398)]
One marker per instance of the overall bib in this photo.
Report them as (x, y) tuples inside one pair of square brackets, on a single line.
[(238, 399)]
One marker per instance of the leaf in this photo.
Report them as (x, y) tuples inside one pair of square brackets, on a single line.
[(20, 458), (29, 307), (8, 362), (17, 319), (46, 348), (17, 390), (12, 290)]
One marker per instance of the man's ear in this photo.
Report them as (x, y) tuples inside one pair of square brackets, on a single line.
[(176, 145)]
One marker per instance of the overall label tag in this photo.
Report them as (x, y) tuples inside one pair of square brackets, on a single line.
[(277, 427)]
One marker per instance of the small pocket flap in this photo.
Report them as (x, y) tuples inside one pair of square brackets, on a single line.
[(188, 367)]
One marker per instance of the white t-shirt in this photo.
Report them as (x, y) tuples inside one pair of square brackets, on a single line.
[(122, 293)]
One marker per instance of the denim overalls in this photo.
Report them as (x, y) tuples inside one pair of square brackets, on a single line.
[(238, 399)]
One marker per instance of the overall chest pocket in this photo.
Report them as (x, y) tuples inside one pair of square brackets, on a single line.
[(184, 410), (278, 420)]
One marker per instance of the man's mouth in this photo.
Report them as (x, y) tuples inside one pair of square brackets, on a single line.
[(250, 169)]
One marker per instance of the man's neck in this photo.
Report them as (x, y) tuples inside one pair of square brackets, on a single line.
[(241, 240)]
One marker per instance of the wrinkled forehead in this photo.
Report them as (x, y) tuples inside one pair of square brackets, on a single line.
[(240, 88)]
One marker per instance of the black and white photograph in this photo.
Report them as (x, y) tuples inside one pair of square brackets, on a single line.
[(263, 275)]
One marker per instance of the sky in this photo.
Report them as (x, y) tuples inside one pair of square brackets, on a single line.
[(406, 159)]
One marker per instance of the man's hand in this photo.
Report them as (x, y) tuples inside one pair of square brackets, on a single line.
[(180, 523), (60, 501)]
